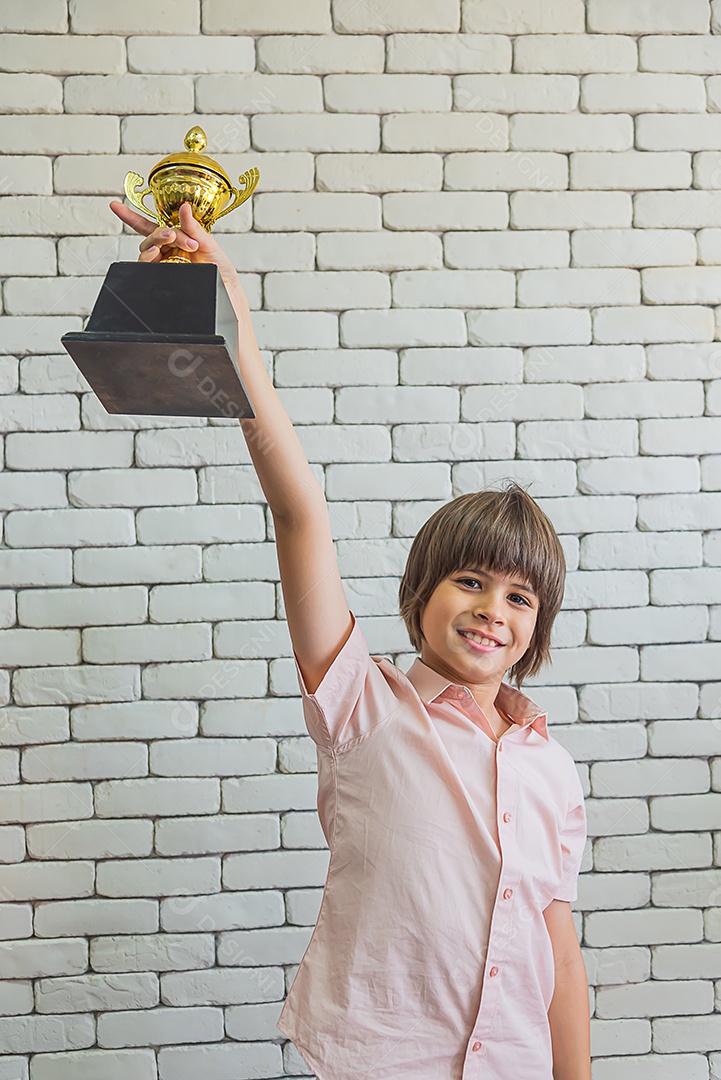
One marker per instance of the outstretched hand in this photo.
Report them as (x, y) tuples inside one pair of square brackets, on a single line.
[(191, 237)]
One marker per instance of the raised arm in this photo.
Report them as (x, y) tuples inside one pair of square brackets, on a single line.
[(319, 620)]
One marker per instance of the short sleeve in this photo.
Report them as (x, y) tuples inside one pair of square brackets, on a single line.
[(353, 699), (573, 840)]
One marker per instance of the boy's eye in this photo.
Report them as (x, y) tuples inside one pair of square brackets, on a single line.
[(513, 596)]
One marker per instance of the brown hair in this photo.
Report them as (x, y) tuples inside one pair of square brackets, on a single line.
[(503, 532)]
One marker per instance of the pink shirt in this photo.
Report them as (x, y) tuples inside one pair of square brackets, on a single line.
[(430, 958)]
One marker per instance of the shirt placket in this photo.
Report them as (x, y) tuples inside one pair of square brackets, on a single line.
[(504, 910)]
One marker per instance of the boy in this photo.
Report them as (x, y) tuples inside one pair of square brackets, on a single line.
[(445, 946)]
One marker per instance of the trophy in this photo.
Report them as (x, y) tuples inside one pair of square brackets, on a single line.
[(162, 338)]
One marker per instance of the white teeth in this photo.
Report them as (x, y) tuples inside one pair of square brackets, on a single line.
[(478, 638)]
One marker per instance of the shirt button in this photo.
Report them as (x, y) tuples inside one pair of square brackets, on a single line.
[(460, 694), (476, 1046), (506, 816), (493, 971), (507, 894), (500, 747)]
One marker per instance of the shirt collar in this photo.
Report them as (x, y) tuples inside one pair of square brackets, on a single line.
[(522, 709)]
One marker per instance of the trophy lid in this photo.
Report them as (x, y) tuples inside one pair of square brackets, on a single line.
[(195, 142)]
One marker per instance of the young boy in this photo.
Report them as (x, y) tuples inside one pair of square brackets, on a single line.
[(445, 947)]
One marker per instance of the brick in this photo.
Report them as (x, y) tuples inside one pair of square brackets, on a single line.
[(377, 251), (96, 992), (322, 133), (49, 216), (35, 567), (430, 442), (91, 839), (605, 588), (575, 54), (216, 678), (78, 761), (640, 476), (453, 288), (49, 16), (706, 175), (490, 403), (377, 173), (164, 134), (692, 662), (642, 93), (444, 131), (682, 132), (585, 364), (613, 16), (507, 250), (403, 328), (643, 399), (398, 480), (149, 878), (68, 450), (132, 487), (54, 134), (580, 131), (135, 18), (30, 93), (62, 918), (160, 1027), (75, 527), (631, 170), (149, 720), (191, 55), (15, 998), (461, 366), (516, 93), (649, 324), (630, 626), (47, 412), (438, 211), (577, 288), (697, 511), (251, 94), (22, 727), (69, 54), (387, 93), (633, 247), (448, 53), (545, 478), (56, 296), (701, 361), (396, 404), (512, 171), (12, 844), (691, 285), (28, 254), (211, 602), (125, 94), (14, 1068), (82, 607), (223, 911), (100, 566), (268, 17), (316, 211), (385, 16), (218, 1062), (208, 835), (19, 647), (570, 209), (157, 797), (330, 291), (193, 524), (526, 17), (17, 921), (88, 1064), (32, 490), (222, 986), (158, 952), (82, 683), (46, 802), (700, 55), (696, 208), (213, 757), (646, 701), (640, 550), (578, 438), (529, 326), (320, 54), (33, 1034), (39, 881), (687, 436), (124, 644)]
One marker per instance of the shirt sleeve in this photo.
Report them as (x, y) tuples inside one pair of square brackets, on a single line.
[(573, 840), (353, 699)]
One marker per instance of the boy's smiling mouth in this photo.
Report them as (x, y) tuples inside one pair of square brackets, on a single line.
[(480, 642)]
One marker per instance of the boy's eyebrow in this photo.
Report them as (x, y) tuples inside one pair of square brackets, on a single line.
[(513, 585)]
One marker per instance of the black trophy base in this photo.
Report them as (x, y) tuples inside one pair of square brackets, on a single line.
[(162, 340)]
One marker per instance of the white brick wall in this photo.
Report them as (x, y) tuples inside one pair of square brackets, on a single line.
[(486, 244)]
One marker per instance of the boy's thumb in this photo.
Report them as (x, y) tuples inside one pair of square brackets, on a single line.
[(189, 224)]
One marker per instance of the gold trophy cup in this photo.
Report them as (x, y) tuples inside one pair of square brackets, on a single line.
[(162, 339)]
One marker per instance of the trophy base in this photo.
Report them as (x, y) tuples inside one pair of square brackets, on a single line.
[(162, 341)]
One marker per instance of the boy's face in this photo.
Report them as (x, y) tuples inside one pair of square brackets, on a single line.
[(494, 606)]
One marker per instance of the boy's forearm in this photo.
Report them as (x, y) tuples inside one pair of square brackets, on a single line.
[(569, 1020), (285, 476)]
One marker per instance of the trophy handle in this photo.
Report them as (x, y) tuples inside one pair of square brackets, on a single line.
[(133, 181), (249, 179)]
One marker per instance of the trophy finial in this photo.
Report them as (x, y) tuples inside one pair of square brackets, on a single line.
[(196, 140)]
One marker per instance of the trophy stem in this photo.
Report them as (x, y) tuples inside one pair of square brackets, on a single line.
[(177, 255)]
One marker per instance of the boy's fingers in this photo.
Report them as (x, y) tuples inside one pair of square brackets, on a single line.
[(149, 255), (135, 221)]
